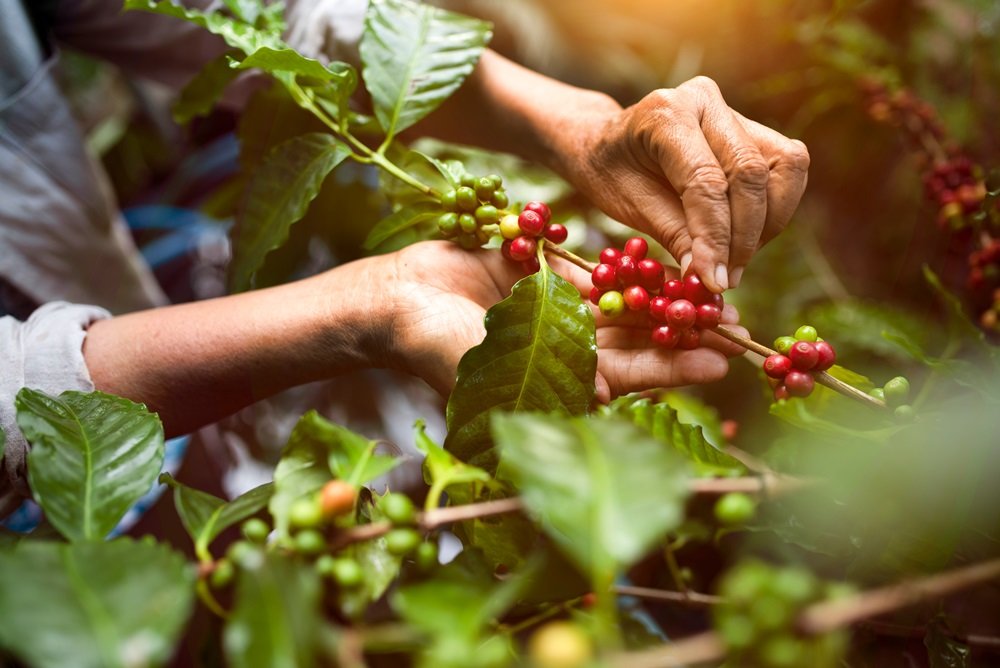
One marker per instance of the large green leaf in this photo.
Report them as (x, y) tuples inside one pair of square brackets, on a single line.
[(276, 620), (415, 56), (93, 605), (278, 195), (662, 422), (234, 32), (400, 221), (539, 354), (204, 90), (205, 516), (604, 491), (92, 456)]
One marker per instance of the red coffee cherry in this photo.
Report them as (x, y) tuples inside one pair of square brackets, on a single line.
[(636, 297), (522, 248), (556, 233), (541, 208), (604, 277), (658, 308), (799, 383), (665, 336), (531, 223), (627, 270), (827, 356), (777, 366), (681, 314), (781, 392), (505, 250), (531, 265), (695, 291), (610, 256), (636, 247), (595, 295), (803, 355), (673, 289), (690, 339), (650, 274), (709, 315)]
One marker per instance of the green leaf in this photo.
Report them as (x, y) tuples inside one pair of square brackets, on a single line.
[(441, 468), (245, 10), (93, 605), (342, 76), (400, 221), (663, 422), (603, 490), (414, 57), (93, 455), (276, 620), (235, 33), (204, 90), (205, 516), (539, 354), (278, 195)]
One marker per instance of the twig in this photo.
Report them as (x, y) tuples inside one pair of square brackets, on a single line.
[(707, 646), (988, 643), (690, 598), (768, 485), (559, 251)]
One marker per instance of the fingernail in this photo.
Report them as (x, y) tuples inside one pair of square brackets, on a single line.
[(685, 263), (735, 276), (722, 276)]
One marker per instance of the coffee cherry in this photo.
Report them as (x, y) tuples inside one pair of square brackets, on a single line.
[(449, 200), (777, 366), (560, 644), (735, 508), (426, 556), (309, 542), (347, 572), (658, 308), (650, 274), (541, 208), (465, 197), (709, 315), (468, 181), (522, 248), (398, 508), (636, 297), (681, 314), (595, 295), (604, 277), (448, 225), (878, 393), (531, 223), (469, 241), (531, 265), (803, 355), (827, 356), (627, 270), (467, 223), (484, 188), (255, 530), (806, 333), (305, 513), (610, 256), (496, 179), (784, 343), (904, 413), (781, 393), (500, 199), (799, 383), (487, 214), (690, 339), (896, 391), (695, 291), (337, 498), (666, 336), (401, 541), (509, 227), (636, 247), (241, 552), (612, 304), (505, 248), (556, 233), (673, 289), (222, 574), (487, 232)]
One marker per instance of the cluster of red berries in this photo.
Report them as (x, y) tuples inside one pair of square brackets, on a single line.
[(678, 309), (984, 266), (522, 231), (792, 370), (957, 188), (901, 108)]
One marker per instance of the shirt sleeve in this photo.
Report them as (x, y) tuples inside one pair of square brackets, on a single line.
[(45, 352)]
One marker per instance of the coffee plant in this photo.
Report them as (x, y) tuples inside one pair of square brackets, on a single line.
[(585, 529)]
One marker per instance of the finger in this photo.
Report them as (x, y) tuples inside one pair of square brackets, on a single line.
[(745, 168), (788, 163), (629, 371)]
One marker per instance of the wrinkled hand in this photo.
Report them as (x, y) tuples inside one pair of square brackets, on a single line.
[(682, 166), (440, 294)]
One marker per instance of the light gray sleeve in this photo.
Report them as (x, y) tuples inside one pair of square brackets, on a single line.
[(327, 29), (45, 352)]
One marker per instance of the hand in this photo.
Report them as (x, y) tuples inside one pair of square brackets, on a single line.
[(439, 294), (709, 184)]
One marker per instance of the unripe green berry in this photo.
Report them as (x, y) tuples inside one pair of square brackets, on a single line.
[(324, 564), (483, 235), (347, 573), (736, 630), (496, 179), (500, 199), (905, 413), (240, 551), (509, 227), (449, 200), (305, 513), (735, 508), (448, 225), (770, 612), (878, 393), (398, 508), (484, 189), (467, 223), (897, 390), (255, 530), (309, 542), (487, 214), (806, 333), (784, 343), (466, 199), (612, 304), (222, 574), (426, 556), (401, 541), (784, 651), (796, 585), (468, 181), (468, 241)]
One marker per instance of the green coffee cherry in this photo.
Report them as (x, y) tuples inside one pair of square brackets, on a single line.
[(784, 651), (347, 573), (897, 391), (467, 223), (496, 179), (223, 573), (487, 214), (402, 541), (305, 513), (484, 188), (469, 241), (806, 333), (398, 508), (309, 542), (240, 551), (466, 199), (256, 530), (612, 304), (500, 199), (735, 508), (426, 556), (449, 200), (795, 585), (784, 343), (468, 181), (878, 393), (905, 413), (324, 564), (448, 225)]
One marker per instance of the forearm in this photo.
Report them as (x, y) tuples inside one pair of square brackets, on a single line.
[(506, 107), (196, 363)]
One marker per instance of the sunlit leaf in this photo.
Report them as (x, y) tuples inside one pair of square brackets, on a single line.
[(400, 221)]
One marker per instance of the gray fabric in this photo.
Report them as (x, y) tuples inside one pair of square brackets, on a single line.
[(45, 353)]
